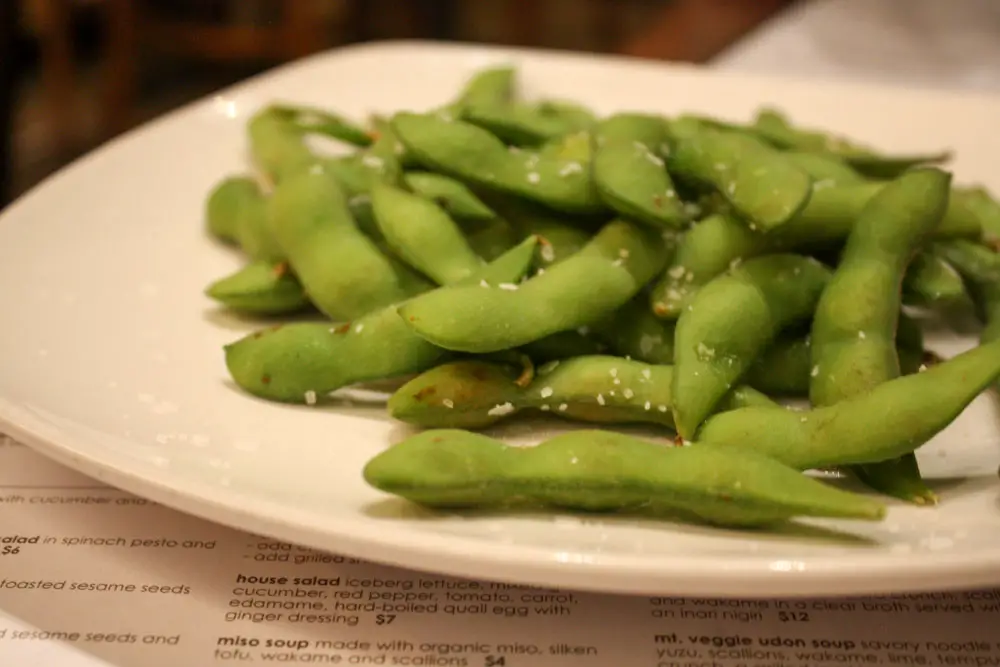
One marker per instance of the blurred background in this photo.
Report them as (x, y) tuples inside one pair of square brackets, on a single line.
[(75, 73)]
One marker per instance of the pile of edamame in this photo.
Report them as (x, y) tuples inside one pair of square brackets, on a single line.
[(500, 256)]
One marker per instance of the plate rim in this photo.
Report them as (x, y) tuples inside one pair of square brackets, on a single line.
[(440, 554)]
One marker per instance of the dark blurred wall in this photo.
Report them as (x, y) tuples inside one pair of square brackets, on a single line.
[(8, 81)]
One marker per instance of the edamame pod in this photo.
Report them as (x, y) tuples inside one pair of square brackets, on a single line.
[(931, 281), (760, 183), (711, 245), (890, 420), (825, 170), (260, 288), (277, 147), (594, 282), (629, 172), (634, 331), (980, 267), (560, 238), (784, 368), (854, 328), (776, 128), (594, 470), (476, 157), (494, 238), (524, 124), (313, 120), (302, 362), (423, 235), (342, 270), (489, 86), (474, 394), (236, 212), (451, 195), (733, 319)]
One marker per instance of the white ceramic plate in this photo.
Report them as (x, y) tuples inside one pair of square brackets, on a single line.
[(110, 357)]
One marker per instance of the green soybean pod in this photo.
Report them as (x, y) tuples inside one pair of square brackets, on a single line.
[(304, 361), (758, 181), (596, 470), (561, 238), (495, 85), (451, 195), (423, 235), (341, 269), (594, 282), (931, 281), (784, 368), (277, 147), (714, 243), (980, 268), (733, 319), (476, 157), (825, 170), (520, 124), (313, 120), (236, 212), (634, 331), (854, 328), (775, 127), (475, 394), (629, 172), (891, 420), (260, 288)]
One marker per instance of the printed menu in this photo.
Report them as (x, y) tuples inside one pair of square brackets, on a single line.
[(91, 576)]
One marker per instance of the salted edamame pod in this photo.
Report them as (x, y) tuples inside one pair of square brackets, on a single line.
[(629, 171), (891, 420), (931, 280), (495, 85), (523, 124), (594, 282), (260, 288), (759, 182), (784, 368), (476, 157), (634, 331), (277, 148), (733, 319), (474, 394), (775, 127), (314, 120), (236, 212), (423, 235), (712, 244), (451, 195), (854, 328), (342, 270), (596, 470), (302, 362)]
